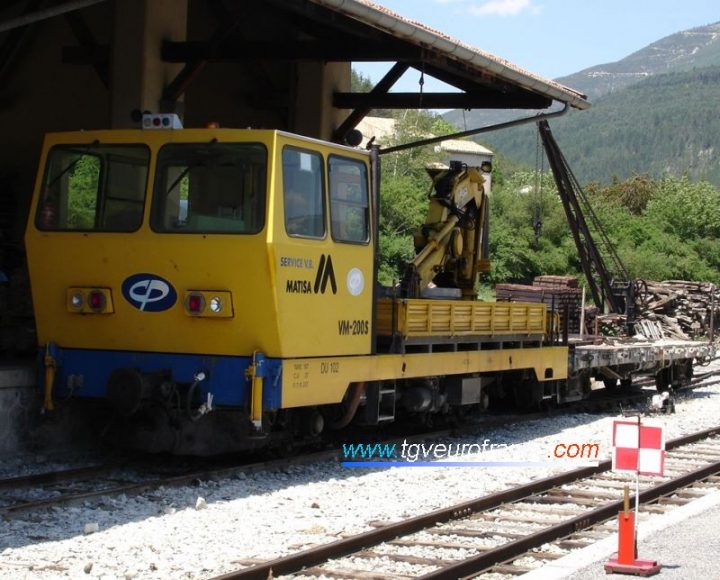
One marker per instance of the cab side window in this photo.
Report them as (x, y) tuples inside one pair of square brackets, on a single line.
[(303, 193), (349, 203)]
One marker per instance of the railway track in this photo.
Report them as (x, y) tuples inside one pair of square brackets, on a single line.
[(20, 495), (510, 532)]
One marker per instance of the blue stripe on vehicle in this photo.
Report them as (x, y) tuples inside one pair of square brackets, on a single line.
[(226, 375)]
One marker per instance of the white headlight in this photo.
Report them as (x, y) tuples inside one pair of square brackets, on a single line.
[(77, 300), (216, 304)]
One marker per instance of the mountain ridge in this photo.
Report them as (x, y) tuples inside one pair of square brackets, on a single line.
[(654, 113), (679, 51)]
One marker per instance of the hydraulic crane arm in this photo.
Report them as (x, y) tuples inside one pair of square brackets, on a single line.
[(451, 246)]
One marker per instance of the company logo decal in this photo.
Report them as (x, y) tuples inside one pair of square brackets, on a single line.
[(325, 274), (149, 293), (355, 282)]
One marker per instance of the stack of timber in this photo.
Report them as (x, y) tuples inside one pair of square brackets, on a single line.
[(684, 310), (613, 325), (556, 281), (560, 293)]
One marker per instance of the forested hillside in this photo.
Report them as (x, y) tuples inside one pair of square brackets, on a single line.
[(662, 228), (665, 125), (686, 50), (665, 228), (653, 113)]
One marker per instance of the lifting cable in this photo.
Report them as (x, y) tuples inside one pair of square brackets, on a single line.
[(539, 174)]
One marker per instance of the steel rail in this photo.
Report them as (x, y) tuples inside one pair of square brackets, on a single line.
[(218, 473), (511, 550), (136, 488), (63, 475), (209, 474), (347, 546)]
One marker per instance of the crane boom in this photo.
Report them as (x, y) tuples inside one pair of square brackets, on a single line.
[(615, 295)]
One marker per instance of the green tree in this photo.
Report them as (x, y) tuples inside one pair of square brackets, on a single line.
[(666, 228), (660, 229), (83, 192), (359, 83), (689, 209)]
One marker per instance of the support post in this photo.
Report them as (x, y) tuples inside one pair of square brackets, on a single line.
[(138, 73), (256, 374), (50, 363)]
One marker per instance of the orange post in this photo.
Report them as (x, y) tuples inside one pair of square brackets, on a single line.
[(626, 560), (626, 537)]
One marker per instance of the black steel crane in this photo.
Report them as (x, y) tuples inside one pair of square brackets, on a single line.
[(615, 294)]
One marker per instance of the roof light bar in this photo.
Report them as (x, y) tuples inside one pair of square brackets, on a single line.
[(161, 121)]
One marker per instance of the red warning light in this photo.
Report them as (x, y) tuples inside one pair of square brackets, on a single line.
[(195, 303), (96, 301)]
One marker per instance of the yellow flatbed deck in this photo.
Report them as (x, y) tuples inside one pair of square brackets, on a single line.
[(422, 318)]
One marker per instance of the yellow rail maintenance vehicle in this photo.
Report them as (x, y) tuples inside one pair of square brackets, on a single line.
[(217, 288)]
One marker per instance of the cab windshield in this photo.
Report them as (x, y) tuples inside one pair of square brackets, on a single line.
[(95, 187), (210, 188)]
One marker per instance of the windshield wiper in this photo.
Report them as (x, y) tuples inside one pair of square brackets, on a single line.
[(180, 178), (190, 166)]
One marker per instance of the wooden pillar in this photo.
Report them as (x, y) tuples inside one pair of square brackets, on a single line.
[(138, 73), (314, 114)]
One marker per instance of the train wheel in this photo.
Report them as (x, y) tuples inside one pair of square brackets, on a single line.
[(683, 374), (611, 385), (527, 395), (663, 379)]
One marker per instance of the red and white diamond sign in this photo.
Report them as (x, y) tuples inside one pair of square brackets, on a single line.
[(638, 448)]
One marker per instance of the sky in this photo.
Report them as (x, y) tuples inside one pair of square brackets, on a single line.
[(552, 38)]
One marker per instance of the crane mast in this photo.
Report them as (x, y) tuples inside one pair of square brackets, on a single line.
[(613, 294)]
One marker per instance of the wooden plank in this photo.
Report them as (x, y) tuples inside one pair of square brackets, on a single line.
[(513, 518), (586, 493), (439, 545), (549, 499), (510, 569), (473, 533), (419, 560), (554, 510), (349, 574), (574, 544), (546, 555)]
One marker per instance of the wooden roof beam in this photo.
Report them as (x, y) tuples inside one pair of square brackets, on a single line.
[(379, 90), (85, 37), (15, 41), (312, 50)]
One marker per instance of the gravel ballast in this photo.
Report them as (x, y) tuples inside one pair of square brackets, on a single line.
[(171, 533)]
